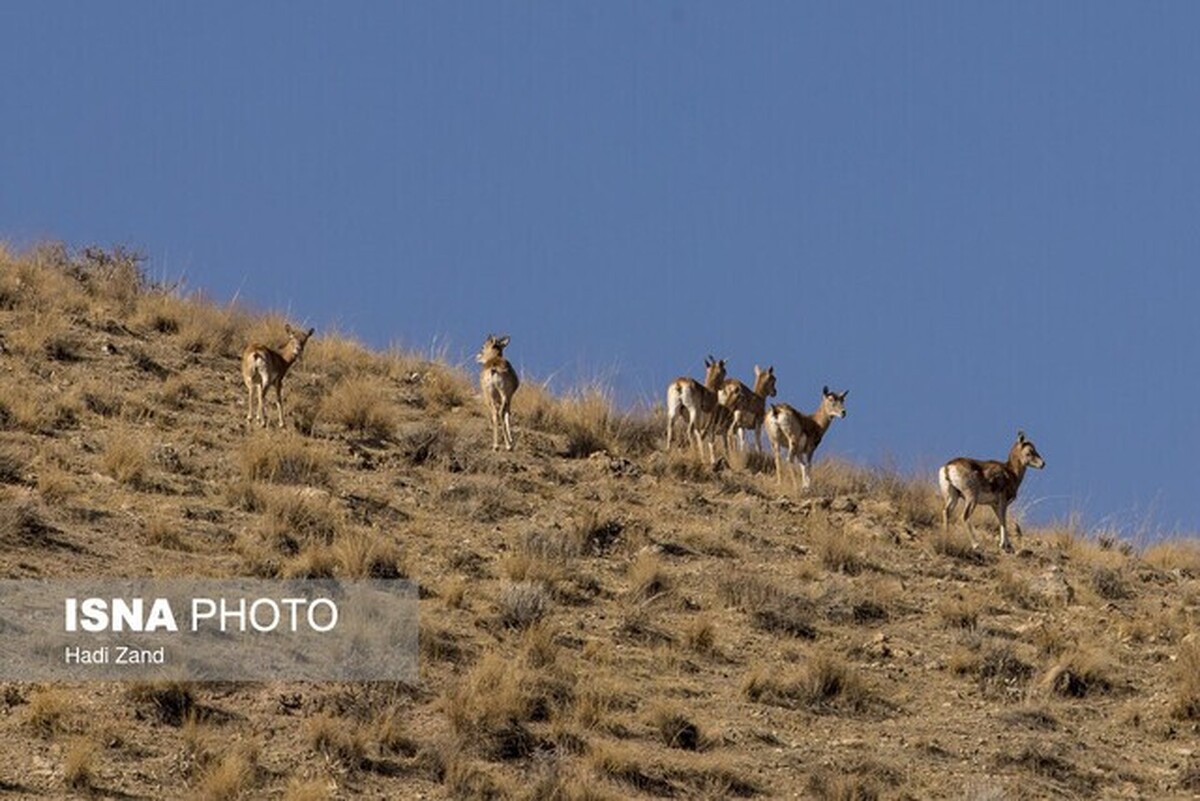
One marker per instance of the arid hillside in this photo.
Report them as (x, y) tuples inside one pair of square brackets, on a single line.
[(599, 618)]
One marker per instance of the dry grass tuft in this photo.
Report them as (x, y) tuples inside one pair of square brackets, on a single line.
[(357, 404), (283, 458), (1176, 555), (1079, 673), (79, 762), (490, 708), (770, 608), (675, 729), (309, 790), (230, 777), (47, 710), (956, 544), (1186, 703), (823, 683), (126, 460), (170, 702), (648, 578), (521, 604)]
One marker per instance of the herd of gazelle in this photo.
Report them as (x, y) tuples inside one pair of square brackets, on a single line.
[(718, 408)]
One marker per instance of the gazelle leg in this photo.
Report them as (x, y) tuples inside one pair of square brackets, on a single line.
[(1002, 514), (948, 509), (968, 509), (508, 437), (261, 392), (279, 402)]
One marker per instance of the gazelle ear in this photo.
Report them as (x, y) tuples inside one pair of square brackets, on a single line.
[(771, 370), (311, 331), (843, 395), (1021, 436), (502, 342), (825, 390)]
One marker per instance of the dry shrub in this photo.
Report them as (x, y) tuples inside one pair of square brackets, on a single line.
[(443, 389), (1175, 555), (125, 459), (283, 458), (1186, 703), (648, 578), (299, 789), (1079, 673), (700, 635), (589, 421), (770, 608), (165, 533), (176, 392), (170, 702), (657, 775), (357, 405), (340, 356), (367, 554), (229, 777), (206, 327), (22, 518), (862, 783), (296, 518), (339, 741), (79, 762), (1110, 584), (961, 611), (521, 604), (454, 592), (490, 708), (675, 729), (47, 710), (1047, 761), (823, 683), (1000, 671), (13, 464), (841, 550)]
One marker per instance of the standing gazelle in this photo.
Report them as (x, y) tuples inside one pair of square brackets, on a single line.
[(264, 368), (498, 381), (990, 483), (700, 403), (748, 406), (802, 433)]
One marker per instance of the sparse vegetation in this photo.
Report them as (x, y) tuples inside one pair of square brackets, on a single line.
[(599, 618)]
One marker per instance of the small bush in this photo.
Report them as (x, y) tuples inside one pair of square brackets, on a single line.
[(283, 458), (79, 762), (357, 405), (1078, 674), (823, 683), (521, 604), (125, 459)]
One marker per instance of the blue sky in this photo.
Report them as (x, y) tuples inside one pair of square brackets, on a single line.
[(976, 217)]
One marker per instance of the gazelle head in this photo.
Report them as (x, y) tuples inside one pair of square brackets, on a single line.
[(834, 403), (1026, 453), (493, 348), (764, 382), (714, 372), (296, 340)]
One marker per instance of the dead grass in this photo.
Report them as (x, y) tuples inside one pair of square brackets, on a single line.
[(47, 710), (1175, 555), (358, 405), (230, 777), (79, 762), (299, 789), (822, 683), (1186, 702), (648, 578), (282, 457), (1080, 673), (125, 458), (520, 604)]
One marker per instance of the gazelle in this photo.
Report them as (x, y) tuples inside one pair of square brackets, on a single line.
[(498, 381), (748, 406), (990, 483), (700, 403), (801, 433), (264, 368)]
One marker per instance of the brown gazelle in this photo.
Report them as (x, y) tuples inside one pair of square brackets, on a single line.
[(748, 406), (990, 483), (263, 368), (801, 433), (699, 402), (498, 381)]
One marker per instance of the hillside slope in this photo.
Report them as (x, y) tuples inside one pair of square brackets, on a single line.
[(599, 619)]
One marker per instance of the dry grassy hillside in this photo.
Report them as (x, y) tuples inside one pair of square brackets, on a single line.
[(599, 619)]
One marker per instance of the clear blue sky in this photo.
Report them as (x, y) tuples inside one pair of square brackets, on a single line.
[(976, 217)]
